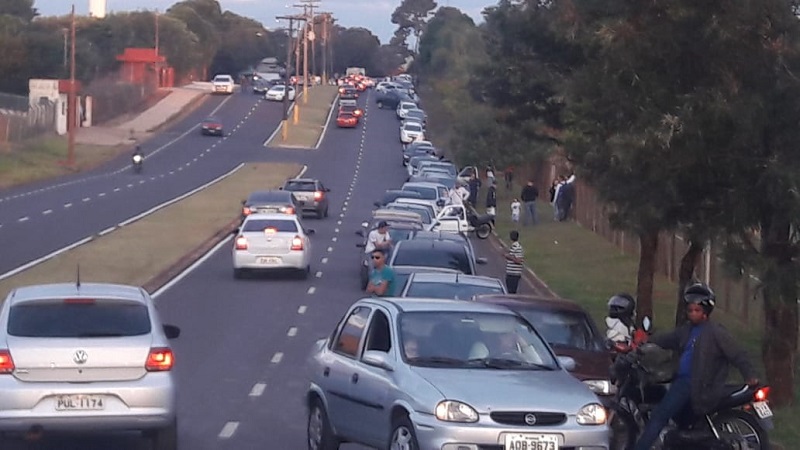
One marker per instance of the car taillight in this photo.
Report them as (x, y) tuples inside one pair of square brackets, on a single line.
[(241, 243), (358, 112), (762, 394), (287, 210), (246, 211), (317, 195), (297, 243), (6, 363), (159, 360)]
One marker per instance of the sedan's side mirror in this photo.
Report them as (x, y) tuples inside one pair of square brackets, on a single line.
[(171, 331), (280, 188), (310, 231), (244, 201), (377, 204), (235, 231), (566, 362), (378, 359), (360, 233), (481, 261), (327, 189)]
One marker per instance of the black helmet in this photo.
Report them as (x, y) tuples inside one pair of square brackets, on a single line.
[(700, 294), (621, 305)]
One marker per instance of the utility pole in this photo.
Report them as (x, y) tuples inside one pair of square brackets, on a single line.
[(326, 16), (308, 9), (71, 100), (285, 121)]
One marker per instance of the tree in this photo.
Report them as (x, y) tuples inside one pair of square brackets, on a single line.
[(21, 9), (354, 47), (412, 16)]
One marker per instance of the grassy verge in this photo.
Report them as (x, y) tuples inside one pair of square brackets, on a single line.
[(140, 251), (43, 158), (312, 116), (582, 266)]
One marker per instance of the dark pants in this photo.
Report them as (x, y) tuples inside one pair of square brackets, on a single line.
[(512, 283), (675, 403)]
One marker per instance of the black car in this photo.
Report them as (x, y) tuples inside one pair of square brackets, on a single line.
[(433, 254), (393, 194), (211, 126), (311, 195), (261, 86), (270, 202), (398, 231)]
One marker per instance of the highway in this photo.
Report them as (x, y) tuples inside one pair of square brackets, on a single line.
[(240, 361)]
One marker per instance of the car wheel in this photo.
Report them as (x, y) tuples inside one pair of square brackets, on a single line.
[(238, 274), (166, 438), (380, 104), (320, 214), (320, 435), (326, 211), (403, 435)]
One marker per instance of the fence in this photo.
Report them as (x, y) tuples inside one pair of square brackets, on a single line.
[(113, 97), (20, 121)]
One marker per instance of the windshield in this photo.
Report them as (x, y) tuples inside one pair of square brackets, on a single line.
[(563, 328), (300, 186), (455, 291), (425, 193), (472, 340), (426, 256), (412, 126), (90, 318)]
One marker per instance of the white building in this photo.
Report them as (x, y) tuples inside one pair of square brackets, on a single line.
[(97, 8)]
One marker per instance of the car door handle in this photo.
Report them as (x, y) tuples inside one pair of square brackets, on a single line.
[(354, 378), (326, 371)]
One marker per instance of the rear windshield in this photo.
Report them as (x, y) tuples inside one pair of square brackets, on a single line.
[(287, 226), (425, 256), (411, 126), (426, 193), (78, 320), (265, 197), (301, 186), (455, 291)]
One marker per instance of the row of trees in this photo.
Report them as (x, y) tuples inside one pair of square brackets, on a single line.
[(196, 36), (683, 115)]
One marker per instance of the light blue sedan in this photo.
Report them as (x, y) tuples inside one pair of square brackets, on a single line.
[(411, 374)]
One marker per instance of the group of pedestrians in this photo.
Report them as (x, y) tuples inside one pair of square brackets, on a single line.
[(562, 197)]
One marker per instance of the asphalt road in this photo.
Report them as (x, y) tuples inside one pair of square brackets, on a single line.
[(240, 361)]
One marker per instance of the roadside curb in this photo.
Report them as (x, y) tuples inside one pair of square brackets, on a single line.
[(327, 121), (529, 274), (185, 110)]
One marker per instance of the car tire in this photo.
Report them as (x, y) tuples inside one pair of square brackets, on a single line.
[(319, 425), (326, 212), (238, 274), (403, 435), (380, 104), (305, 272), (166, 438), (320, 214)]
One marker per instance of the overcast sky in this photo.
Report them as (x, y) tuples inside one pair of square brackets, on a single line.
[(374, 15)]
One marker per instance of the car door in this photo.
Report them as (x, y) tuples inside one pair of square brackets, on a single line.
[(372, 386), (337, 372), (451, 218)]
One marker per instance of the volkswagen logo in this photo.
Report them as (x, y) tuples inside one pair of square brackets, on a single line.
[(530, 419), (81, 356)]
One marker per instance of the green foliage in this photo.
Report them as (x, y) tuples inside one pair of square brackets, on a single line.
[(411, 17), (21, 9)]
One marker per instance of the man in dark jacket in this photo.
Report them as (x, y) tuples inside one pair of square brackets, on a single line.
[(706, 350), (529, 195)]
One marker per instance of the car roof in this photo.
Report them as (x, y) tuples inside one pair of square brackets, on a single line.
[(415, 304), (439, 236), (512, 300), (460, 278), (73, 290), (432, 244), (269, 196), (388, 212), (428, 184)]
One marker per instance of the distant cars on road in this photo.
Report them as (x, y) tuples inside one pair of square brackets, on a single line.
[(212, 126)]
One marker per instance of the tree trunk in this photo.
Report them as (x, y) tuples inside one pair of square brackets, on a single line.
[(686, 276), (644, 279), (779, 282)]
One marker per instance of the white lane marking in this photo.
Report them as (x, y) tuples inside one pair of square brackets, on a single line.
[(324, 260), (67, 205), (257, 390), (334, 239), (330, 249), (302, 309), (130, 185), (335, 230), (228, 430), (116, 189), (47, 211), (106, 231), (292, 332), (189, 269), (311, 290), (327, 122), (86, 199), (276, 358), (23, 219), (338, 222), (302, 172), (341, 215), (318, 275), (102, 194)]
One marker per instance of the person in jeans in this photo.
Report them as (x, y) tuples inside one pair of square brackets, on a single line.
[(515, 260), (529, 196)]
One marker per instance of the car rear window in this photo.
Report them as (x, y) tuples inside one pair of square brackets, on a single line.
[(300, 186), (424, 192), (411, 126), (285, 226), (455, 291), (271, 197), (565, 328), (60, 319), (425, 256)]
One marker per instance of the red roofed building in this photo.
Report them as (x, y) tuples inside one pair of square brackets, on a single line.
[(145, 65)]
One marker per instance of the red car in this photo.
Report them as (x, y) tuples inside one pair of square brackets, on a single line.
[(346, 120)]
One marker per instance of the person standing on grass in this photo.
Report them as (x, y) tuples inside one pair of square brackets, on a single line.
[(515, 260), (515, 209), (529, 195)]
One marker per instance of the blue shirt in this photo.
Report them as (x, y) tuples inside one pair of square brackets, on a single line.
[(685, 366), (378, 276)]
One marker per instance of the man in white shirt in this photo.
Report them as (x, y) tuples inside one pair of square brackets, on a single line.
[(379, 239)]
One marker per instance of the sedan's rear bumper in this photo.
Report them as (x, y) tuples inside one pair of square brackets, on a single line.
[(291, 260)]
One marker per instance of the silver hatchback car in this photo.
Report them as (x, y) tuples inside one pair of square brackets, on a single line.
[(86, 357), (409, 373)]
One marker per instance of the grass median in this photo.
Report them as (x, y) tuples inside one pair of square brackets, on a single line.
[(312, 115), (140, 251), (583, 266)]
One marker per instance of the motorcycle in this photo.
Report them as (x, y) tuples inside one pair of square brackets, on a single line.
[(482, 225), (740, 421), (137, 161)]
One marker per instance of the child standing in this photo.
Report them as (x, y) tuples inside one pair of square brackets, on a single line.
[(515, 208)]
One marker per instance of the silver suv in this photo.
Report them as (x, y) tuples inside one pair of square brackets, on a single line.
[(86, 357)]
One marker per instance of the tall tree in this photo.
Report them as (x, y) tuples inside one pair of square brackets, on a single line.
[(22, 9), (412, 16)]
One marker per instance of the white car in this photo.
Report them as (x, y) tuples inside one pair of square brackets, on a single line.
[(272, 242), (410, 132), (403, 108), (85, 357), (223, 84), (276, 93)]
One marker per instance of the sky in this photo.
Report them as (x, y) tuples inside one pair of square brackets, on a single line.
[(374, 15)]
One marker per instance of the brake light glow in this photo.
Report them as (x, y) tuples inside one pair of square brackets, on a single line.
[(241, 243), (270, 230), (358, 112), (341, 90), (159, 360), (6, 363), (297, 243), (762, 394), (317, 195), (79, 301), (246, 211), (287, 210)]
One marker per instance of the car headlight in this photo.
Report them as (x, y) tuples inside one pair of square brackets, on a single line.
[(592, 414), (453, 411), (601, 387)]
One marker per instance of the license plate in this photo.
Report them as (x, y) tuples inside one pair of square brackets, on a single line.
[(531, 442), (79, 402), (269, 260), (762, 410)]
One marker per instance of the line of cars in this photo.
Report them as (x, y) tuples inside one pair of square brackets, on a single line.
[(448, 359)]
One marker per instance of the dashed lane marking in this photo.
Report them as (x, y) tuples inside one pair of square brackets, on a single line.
[(324, 260), (292, 332), (276, 358), (23, 219), (47, 211), (311, 290), (302, 309), (257, 390), (228, 430), (318, 274)]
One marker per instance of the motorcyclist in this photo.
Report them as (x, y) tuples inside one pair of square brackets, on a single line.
[(137, 152), (706, 350), (621, 318)]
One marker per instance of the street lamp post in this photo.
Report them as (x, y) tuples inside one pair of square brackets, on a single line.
[(289, 45)]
